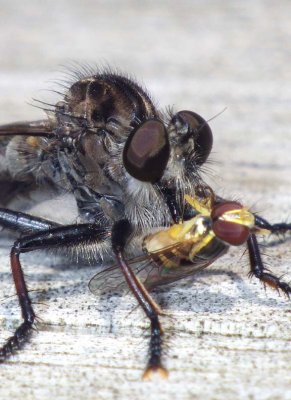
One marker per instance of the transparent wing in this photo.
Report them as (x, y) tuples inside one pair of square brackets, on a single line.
[(151, 274), (111, 279)]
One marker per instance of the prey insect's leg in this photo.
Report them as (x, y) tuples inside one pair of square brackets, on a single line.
[(66, 236), (21, 222), (281, 227), (120, 233), (260, 272)]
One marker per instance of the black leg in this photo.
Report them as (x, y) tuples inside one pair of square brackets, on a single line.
[(120, 233), (281, 227), (21, 222), (260, 272), (66, 236)]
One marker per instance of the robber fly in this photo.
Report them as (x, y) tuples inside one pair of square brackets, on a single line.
[(129, 167)]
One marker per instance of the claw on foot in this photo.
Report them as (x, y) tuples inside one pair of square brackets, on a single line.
[(151, 370), (275, 283)]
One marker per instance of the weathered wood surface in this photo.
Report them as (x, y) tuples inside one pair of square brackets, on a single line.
[(227, 337)]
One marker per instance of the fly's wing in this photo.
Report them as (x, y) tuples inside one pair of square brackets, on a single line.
[(150, 273), (17, 154), (23, 165), (19, 145), (112, 280), (166, 276)]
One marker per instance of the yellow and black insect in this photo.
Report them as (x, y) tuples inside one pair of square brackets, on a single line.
[(183, 249)]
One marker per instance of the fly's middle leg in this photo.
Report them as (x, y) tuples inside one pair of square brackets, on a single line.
[(120, 233), (22, 222)]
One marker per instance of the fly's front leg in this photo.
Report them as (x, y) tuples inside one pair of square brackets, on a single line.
[(66, 236), (281, 227), (260, 272), (120, 233), (21, 222)]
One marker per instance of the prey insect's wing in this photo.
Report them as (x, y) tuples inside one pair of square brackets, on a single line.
[(150, 273), (111, 279)]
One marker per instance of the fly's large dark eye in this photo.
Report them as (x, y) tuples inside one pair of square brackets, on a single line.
[(146, 151), (200, 131)]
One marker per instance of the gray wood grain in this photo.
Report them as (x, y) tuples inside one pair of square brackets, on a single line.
[(227, 338)]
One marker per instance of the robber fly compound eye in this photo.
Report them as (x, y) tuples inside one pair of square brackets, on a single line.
[(146, 151), (191, 125)]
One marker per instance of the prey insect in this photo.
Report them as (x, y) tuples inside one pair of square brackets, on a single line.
[(183, 249), (128, 168)]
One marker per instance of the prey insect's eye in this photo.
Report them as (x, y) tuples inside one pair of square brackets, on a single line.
[(199, 130), (230, 232), (146, 151)]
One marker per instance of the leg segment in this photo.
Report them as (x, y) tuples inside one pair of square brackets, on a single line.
[(120, 233), (72, 235), (260, 272), (33, 128), (21, 222), (281, 227)]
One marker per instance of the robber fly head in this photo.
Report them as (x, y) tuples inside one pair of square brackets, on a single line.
[(153, 147)]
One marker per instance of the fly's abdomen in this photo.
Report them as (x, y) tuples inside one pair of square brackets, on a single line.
[(185, 254), (172, 257), (211, 251)]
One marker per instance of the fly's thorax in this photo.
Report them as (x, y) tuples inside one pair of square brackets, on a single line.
[(106, 98), (98, 155)]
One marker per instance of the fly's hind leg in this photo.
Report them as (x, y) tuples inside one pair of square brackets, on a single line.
[(120, 233), (259, 271), (64, 236)]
